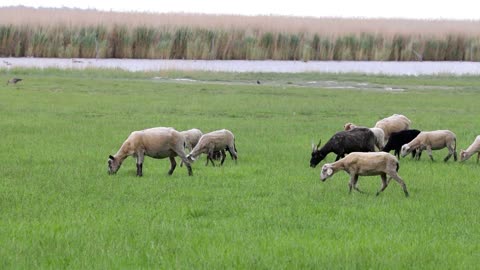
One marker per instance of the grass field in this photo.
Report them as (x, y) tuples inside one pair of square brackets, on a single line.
[(60, 208)]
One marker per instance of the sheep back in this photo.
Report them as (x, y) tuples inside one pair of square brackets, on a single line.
[(370, 163)]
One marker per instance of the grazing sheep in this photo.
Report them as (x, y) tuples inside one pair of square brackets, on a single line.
[(159, 142), (214, 141), (398, 139), (378, 132), (432, 140), (191, 139), (344, 142), (394, 123), (366, 164), (471, 150)]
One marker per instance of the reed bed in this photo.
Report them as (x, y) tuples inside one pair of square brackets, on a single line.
[(74, 33)]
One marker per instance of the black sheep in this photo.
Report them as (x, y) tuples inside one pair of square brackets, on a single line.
[(344, 142), (397, 139)]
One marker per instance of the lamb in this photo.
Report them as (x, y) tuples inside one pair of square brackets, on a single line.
[(366, 164), (432, 140), (398, 139), (394, 123), (214, 141), (378, 132), (471, 150), (159, 142), (344, 142)]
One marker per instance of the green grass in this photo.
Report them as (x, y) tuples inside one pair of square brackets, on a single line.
[(60, 208)]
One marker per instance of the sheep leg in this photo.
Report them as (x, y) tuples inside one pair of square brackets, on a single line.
[(350, 183), (414, 152), (210, 157), (353, 183), (139, 169), (184, 159), (397, 153), (397, 178), (223, 156), (429, 151), (173, 164), (418, 154), (140, 158), (233, 152), (478, 156), (451, 151), (384, 183)]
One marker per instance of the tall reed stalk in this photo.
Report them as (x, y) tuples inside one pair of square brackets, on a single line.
[(229, 38)]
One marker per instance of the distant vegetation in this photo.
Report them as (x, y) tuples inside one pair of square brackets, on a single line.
[(72, 33)]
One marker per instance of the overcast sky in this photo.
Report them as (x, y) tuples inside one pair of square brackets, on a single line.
[(422, 9)]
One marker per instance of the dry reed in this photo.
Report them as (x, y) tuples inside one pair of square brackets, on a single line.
[(89, 33)]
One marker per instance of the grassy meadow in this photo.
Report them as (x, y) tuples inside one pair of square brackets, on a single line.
[(60, 208), (74, 33)]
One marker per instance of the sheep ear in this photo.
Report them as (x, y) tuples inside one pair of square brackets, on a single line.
[(111, 157), (319, 142), (329, 171)]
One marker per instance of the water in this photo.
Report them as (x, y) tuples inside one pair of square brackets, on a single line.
[(373, 67)]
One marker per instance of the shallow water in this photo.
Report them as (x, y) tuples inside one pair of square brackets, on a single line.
[(367, 67)]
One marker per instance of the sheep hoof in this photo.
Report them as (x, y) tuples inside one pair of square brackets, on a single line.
[(406, 194)]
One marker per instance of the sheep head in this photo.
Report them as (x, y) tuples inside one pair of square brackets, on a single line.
[(113, 165), (327, 171), (317, 155), (406, 149), (190, 158), (463, 155)]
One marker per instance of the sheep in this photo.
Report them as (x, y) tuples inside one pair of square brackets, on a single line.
[(471, 150), (159, 142), (366, 164), (344, 142), (432, 140), (378, 132), (397, 139), (214, 141), (191, 139), (394, 123)]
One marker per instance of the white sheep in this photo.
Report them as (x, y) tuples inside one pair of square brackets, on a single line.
[(394, 123), (214, 141), (471, 150), (378, 132), (366, 164), (432, 140), (159, 142), (192, 136)]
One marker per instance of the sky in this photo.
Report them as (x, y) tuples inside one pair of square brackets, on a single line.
[(418, 9)]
